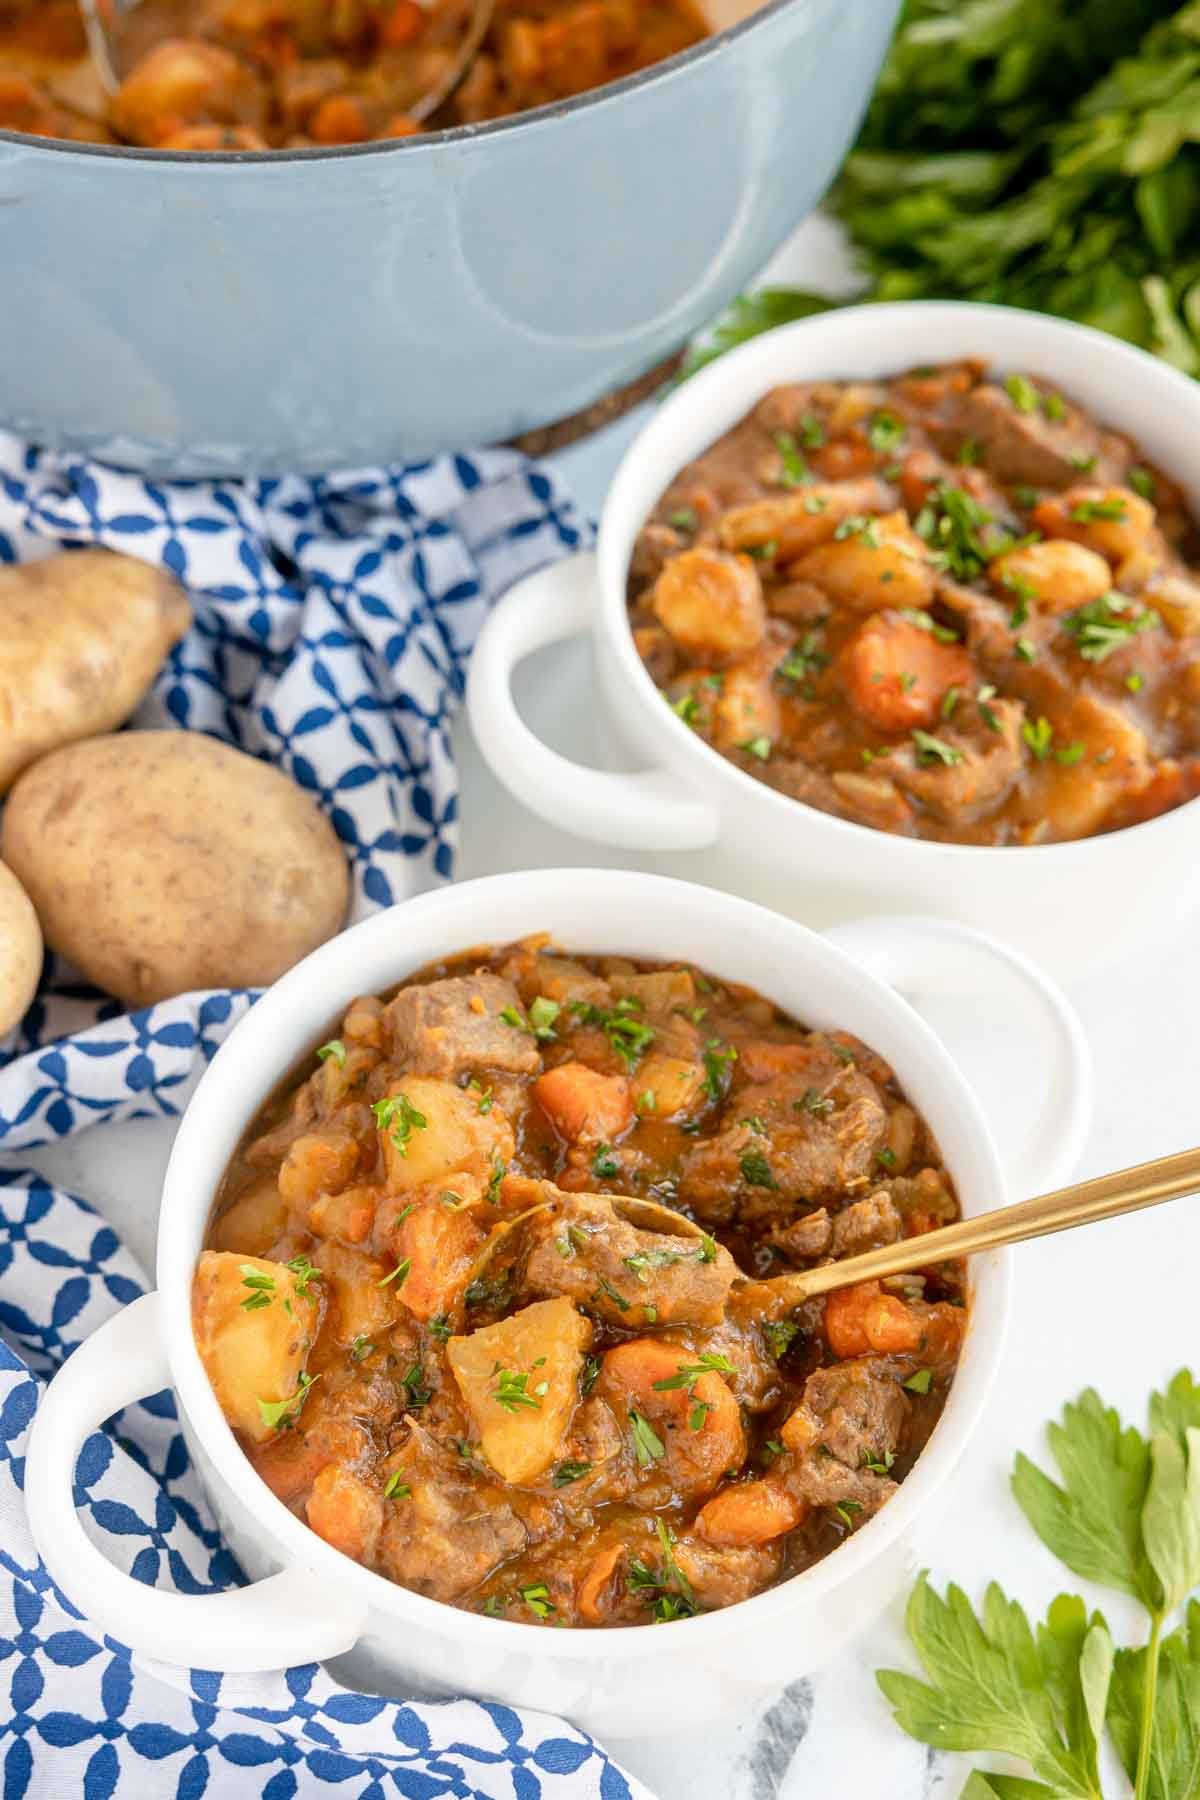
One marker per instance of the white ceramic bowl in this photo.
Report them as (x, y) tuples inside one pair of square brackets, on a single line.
[(308, 1601), (1075, 905)]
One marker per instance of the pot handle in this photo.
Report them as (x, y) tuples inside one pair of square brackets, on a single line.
[(292, 1617), (1010, 1028), (650, 810)]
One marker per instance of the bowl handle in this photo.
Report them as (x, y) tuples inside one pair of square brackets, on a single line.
[(651, 810), (1010, 1028), (292, 1617)]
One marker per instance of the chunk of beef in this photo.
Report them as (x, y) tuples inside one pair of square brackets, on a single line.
[(985, 762), (447, 1027), (792, 1141), (805, 1238), (1029, 447), (452, 1530), (581, 1248), (866, 1225), (844, 1430), (720, 1576)]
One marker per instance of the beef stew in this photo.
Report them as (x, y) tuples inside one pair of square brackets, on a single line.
[(276, 74), (943, 605), (441, 1345)]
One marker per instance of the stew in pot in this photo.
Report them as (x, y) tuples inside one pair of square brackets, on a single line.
[(441, 1344), (943, 605), (273, 74)]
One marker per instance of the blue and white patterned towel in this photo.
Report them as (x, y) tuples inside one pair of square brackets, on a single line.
[(333, 622)]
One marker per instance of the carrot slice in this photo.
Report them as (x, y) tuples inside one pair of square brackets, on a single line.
[(897, 674)]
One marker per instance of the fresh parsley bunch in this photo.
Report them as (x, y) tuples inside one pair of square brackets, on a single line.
[(1124, 1512), (1038, 153)]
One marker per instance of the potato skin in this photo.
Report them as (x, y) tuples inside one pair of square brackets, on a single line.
[(82, 636), (20, 951), (162, 861)]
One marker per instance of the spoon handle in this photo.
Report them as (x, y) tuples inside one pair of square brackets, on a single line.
[(1084, 1203)]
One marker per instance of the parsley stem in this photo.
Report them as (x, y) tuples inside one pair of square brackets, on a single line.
[(1149, 1701)]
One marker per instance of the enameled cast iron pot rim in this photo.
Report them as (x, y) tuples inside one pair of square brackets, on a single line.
[(756, 356), (295, 1543), (609, 93)]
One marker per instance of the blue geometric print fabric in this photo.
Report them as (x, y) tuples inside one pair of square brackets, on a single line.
[(333, 622)]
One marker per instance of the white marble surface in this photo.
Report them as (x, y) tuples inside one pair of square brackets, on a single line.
[(1112, 1306)]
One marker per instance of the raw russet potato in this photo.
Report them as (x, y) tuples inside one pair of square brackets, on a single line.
[(161, 861), (20, 951), (82, 636)]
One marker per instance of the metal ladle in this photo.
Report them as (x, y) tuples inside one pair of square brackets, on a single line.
[(102, 20)]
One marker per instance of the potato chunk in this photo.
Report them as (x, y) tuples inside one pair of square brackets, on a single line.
[(254, 1322), (1113, 522), (432, 1129), (789, 525), (880, 563), (711, 603), (1058, 574), (522, 1422)]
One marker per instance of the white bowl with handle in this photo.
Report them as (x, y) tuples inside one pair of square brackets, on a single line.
[(307, 1601), (1076, 905)]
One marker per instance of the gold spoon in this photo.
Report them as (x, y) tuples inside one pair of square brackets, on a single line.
[(1083, 1203), (102, 20)]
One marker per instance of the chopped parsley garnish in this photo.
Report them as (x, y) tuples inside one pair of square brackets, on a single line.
[(683, 519), (399, 1274), (935, 750), (755, 1124), (648, 1446), (278, 1415), (885, 434), (969, 452), (1087, 510), (489, 1291), (335, 1050), (756, 1170), (492, 1191), (540, 1023), (878, 1467), (360, 1348), (708, 1249), (812, 432), (628, 1035), (687, 1374), (925, 621), (687, 708), (1082, 461), (764, 552), (485, 1095), (1070, 754), (1022, 393), (537, 1598), (1142, 482), (1025, 498), (952, 523), (304, 1272), (567, 1472), (588, 1375), (811, 1101), (1135, 682), (605, 1287), (1026, 649), (606, 1166), (886, 1158), (846, 1510), (861, 526), (1104, 625), (439, 1327), (262, 1286), (642, 1261), (794, 471), (718, 1059), (986, 693), (511, 1391), (779, 1335), (495, 1605), (1054, 407), (950, 700), (759, 747), (921, 1382), (666, 1590), (804, 660), (413, 1383), (396, 1489), (398, 1118)]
